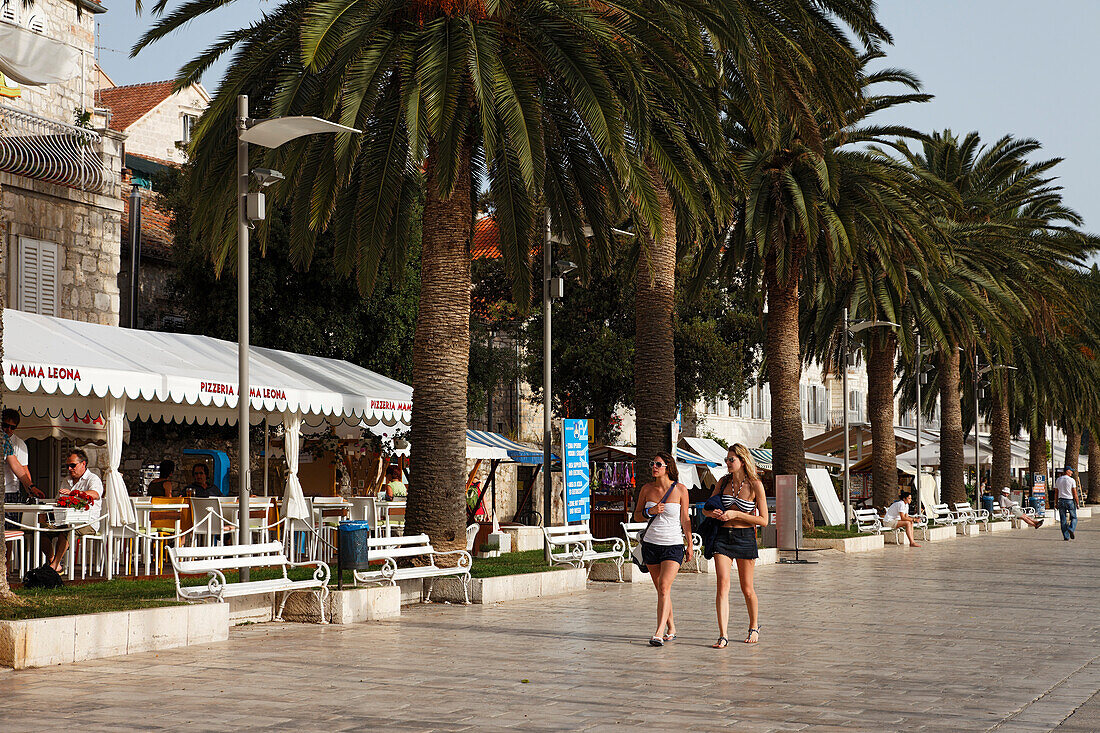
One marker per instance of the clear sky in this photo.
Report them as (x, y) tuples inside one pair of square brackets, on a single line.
[(995, 66)]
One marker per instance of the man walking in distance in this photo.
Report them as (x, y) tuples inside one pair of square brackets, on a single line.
[(1066, 486)]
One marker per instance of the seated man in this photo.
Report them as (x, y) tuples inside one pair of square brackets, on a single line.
[(80, 479), (897, 515), (1014, 509), (200, 483)]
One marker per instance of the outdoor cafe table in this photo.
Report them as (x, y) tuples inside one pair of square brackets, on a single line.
[(230, 510), (36, 548), (389, 510)]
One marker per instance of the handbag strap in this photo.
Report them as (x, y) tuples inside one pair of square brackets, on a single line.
[(662, 501)]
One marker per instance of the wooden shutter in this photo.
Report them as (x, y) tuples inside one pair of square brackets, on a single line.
[(39, 277)]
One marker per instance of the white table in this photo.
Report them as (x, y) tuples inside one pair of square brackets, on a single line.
[(388, 510)]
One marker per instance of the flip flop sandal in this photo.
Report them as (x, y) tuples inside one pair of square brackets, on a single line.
[(656, 641), (669, 637), (749, 637), (722, 643)]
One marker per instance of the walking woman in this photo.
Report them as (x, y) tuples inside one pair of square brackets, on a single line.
[(744, 508), (663, 502)]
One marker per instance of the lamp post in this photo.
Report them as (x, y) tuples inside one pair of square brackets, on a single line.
[(851, 329), (920, 377), (978, 374), (270, 133)]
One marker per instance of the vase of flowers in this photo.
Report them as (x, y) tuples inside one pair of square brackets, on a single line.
[(73, 508)]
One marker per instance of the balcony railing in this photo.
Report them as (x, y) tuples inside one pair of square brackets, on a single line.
[(45, 150)]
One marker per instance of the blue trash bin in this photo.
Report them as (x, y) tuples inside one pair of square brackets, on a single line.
[(352, 543), (1039, 504), (988, 503)]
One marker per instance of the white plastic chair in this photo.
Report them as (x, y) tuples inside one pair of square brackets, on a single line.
[(471, 536), (213, 528), (14, 537)]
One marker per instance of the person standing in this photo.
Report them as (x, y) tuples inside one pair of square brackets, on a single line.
[(663, 502), (1066, 488), (15, 463), (745, 507)]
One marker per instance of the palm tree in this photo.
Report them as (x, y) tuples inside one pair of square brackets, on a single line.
[(989, 186), (447, 93)]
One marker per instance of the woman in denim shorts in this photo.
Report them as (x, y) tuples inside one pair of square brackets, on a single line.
[(663, 502), (744, 508)]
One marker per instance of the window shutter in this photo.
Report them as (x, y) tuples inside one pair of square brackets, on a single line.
[(39, 277)]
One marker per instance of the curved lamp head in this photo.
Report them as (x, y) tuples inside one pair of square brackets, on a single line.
[(864, 325), (274, 132)]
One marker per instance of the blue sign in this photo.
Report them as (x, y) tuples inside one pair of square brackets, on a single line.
[(578, 506)]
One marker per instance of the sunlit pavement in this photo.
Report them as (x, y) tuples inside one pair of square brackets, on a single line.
[(996, 632)]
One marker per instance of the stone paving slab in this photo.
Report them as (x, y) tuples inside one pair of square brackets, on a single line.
[(998, 632)]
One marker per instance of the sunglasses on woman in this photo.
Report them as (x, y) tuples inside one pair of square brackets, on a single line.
[(656, 464)]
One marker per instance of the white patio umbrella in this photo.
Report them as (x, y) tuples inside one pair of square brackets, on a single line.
[(120, 510), (294, 501)]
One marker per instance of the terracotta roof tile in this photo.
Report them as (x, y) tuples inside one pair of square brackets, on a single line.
[(486, 239), (129, 103)]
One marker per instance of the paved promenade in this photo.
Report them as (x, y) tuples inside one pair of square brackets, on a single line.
[(989, 633)]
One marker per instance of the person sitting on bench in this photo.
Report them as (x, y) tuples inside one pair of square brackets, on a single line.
[(1014, 509), (897, 515)]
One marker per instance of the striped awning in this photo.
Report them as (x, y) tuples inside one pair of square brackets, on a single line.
[(528, 455), (763, 458)]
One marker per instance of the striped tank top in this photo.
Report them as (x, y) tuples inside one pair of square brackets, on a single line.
[(729, 501)]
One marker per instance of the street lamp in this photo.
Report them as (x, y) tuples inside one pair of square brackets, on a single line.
[(270, 133), (851, 329), (978, 374)]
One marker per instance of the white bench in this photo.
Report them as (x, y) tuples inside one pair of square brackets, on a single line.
[(572, 545), (419, 548), (868, 520), (631, 530), (942, 515), (967, 514), (214, 561)]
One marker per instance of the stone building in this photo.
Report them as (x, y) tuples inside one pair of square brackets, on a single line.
[(157, 122), (60, 206)]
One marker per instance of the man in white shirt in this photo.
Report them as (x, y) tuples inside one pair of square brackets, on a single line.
[(1066, 488), (897, 515), (80, 479), (15, 466), (1015, 510)]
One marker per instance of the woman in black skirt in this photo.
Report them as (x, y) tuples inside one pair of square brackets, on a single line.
[(744, 508)]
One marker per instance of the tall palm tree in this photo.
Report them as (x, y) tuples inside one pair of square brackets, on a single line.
[(989, 186), (447, 93)]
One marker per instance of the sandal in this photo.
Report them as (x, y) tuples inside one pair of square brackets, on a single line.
[(656, 641), (749, 639), (669, 637), (722, 643)]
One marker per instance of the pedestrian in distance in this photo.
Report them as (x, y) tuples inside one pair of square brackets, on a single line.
[(744, 508), (1014, 509), (663, 502), (897, 515), (1066, 488)]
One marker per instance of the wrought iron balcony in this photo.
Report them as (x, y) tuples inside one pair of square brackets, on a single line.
[(45, 150)]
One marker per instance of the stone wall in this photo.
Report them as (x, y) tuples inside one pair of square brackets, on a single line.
[(158, 309)]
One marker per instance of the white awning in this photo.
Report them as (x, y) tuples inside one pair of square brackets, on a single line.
[(54, 366), (33, 59)]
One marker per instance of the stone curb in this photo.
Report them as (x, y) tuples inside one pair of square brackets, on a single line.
[(512, 587), (42, 642)]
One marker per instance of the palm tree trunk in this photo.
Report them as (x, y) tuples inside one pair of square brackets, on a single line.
[(781, 347), (654, 358), (953, 488), (1000, 473), (1073, 446), (1094, 469), (441, 356), (1037, 446), (880, 406)]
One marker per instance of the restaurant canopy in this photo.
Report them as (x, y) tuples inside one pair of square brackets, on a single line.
[(528, 455), (54, 366)]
